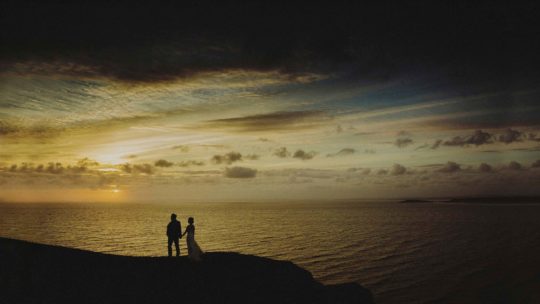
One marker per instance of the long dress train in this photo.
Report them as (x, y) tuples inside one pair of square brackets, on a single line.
[(194, 251)]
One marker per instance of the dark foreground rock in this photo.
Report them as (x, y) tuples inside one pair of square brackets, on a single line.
[(35, 273)]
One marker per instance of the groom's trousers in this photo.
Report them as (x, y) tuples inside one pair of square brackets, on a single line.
[(176, 244)]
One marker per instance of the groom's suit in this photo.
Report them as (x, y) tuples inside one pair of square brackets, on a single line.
[(174, 233)]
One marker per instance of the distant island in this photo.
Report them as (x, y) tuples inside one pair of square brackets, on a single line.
[(36, 273), (478, 200)]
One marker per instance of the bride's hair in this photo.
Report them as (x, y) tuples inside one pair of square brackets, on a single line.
[(190, 220)]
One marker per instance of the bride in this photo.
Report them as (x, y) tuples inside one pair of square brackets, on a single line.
[(194, 251)]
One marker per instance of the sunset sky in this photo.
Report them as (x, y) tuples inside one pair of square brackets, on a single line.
[(254, 102)]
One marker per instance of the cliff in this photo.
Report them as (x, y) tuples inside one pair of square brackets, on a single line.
[(36, 273)]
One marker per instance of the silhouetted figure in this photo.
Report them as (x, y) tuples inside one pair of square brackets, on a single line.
[(174, 233), (194, 251)]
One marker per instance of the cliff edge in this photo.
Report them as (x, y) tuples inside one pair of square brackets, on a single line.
[(36, 273)]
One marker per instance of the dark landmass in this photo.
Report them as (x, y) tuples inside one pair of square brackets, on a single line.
[(480, 200), (36, 273), (415, 201)]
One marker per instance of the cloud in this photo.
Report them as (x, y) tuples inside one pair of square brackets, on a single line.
[(403, 139), (342, 152), (301, 154), (363, 171), (382, 172), (282, 152), (87, 162), (56, 168), (514, 165), (228, 158), (403, 134), (163, 163), (219, 37), (436, 144), (403, 142), (187, 163), (480, 137), (533, 137), (240, 172), (303, 173), (483, 167), (398, 169), (271, 121), (510, 136), (40, 131), (477, 138), (137, 168), (450, 167), (252, 156)]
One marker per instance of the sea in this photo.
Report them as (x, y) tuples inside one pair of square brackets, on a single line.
[(404, 253)]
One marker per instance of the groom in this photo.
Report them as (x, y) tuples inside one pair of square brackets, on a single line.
[(174, 233)]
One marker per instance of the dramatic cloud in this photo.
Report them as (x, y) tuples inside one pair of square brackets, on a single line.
[(228, 158), (282, 152), (342, 152), (398, 169), (301, 154), (221, 36), (240, 172), (483, 167), (450, 167), (271, 121), (163, 163)]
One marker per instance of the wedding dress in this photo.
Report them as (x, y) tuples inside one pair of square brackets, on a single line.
[(194, 251)]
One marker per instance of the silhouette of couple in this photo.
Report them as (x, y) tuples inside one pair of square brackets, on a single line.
[(174, 234)]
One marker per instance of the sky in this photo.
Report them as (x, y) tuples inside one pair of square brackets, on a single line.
[(126, 102)]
